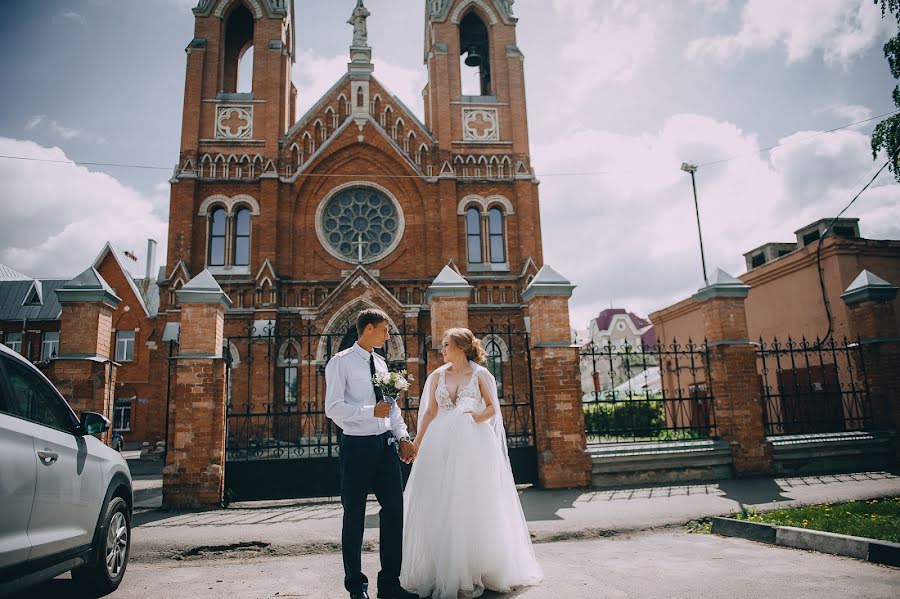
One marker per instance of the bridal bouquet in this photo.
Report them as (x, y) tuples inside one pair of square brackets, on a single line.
[(392, 383)]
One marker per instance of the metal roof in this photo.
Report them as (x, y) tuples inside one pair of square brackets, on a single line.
[(13, 293)]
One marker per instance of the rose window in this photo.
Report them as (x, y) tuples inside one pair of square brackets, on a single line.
[(360, 224)]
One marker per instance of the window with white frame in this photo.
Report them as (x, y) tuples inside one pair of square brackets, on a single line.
[(14, 342), (122, 414), (125, 346), (49, 345)]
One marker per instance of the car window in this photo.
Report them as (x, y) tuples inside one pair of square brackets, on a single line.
[(30, 397)]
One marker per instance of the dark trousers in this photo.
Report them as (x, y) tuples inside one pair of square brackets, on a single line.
[(370, 464)]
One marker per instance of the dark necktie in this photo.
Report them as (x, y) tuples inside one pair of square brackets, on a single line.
[(379, 396)]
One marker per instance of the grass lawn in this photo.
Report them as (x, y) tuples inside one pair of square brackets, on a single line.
[(873, 519)]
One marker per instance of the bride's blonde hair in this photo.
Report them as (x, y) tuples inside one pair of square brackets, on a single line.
[(465, 340)]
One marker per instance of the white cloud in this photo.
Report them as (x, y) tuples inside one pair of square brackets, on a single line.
[(838, 29), (314, 75), (34, 121), (609, 45), (630, 236), (713, 6), (70, 15), (58, 216), (852, 113), (65, 132)]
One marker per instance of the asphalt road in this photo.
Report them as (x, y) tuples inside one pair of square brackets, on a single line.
[(662, 564)]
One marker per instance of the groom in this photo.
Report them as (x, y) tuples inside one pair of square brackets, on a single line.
[(368, 458)]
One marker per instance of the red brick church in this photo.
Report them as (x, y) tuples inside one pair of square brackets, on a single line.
[(358, 202), (282, 229)]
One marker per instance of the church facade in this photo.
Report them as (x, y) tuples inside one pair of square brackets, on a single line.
[(357, 202)]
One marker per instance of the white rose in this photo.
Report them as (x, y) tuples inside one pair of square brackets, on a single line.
[(402, 384)]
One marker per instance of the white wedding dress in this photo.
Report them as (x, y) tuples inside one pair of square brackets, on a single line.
[(464, 530)]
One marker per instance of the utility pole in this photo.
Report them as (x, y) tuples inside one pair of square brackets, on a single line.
[(692, 168)]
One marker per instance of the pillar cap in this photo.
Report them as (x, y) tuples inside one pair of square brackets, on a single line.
[(202, 289), (89, 286), (448, 283), (722, 284), (868, 286), (548, 282)]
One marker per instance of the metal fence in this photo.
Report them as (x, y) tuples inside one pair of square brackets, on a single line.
[(813, 387), (647, 393)]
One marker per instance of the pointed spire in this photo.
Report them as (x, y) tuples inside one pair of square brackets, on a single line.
[(868, 286), (448, 283), (722, 284), (89, 286), (548, 282), (202, 289)]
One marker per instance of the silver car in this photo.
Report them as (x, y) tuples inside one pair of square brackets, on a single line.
[(65, 497)]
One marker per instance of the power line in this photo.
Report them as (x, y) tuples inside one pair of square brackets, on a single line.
[(386, 176), (799, 141), (819, 267)]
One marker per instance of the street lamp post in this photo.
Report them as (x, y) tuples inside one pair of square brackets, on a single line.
[(692, 168)]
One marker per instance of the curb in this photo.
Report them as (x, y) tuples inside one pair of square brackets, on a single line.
[(870, 550)]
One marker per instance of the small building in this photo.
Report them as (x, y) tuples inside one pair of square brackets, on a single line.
[(30, 323)]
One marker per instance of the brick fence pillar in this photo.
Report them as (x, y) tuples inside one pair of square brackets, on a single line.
[(873, 320), (194, 475), (735, 380), (448, 303), (559, 417), (84, 372)]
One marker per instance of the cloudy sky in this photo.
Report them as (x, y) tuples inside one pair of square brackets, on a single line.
[(620, 93)]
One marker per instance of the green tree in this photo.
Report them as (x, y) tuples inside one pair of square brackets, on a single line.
[(887, 134)]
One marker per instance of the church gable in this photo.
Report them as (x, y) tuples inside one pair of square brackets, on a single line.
[(332, 113), (354, 133)]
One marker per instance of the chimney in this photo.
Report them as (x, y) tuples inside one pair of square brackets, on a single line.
[(151, 258)]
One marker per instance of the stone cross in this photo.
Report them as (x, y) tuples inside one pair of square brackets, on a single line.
[(358, 20), (360, 245)]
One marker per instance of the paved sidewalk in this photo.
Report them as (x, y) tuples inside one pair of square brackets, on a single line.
[(311, 527)]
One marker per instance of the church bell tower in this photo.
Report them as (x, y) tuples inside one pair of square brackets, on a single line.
[(475, 97)]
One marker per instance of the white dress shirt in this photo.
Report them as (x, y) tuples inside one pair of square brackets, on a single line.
[(350, 395)]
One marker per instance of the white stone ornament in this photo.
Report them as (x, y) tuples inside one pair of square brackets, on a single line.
[(480, 124), (234, 122)]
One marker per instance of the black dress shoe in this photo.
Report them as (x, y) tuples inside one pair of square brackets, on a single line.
[(397, 592), (362, 594)]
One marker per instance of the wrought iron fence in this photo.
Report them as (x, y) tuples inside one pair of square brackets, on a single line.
[(634, 393), (509, 360), (813, 387), (276, 388)]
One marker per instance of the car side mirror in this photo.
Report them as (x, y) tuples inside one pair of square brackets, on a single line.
[(93, 423)]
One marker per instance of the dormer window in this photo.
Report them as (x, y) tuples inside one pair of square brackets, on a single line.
[(33, 297)]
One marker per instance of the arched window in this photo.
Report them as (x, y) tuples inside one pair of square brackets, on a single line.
[(475, 67), (359, 97), (242, 237), (473, 234), (238, 50), (495, 363), (217, 237), (495, 230)]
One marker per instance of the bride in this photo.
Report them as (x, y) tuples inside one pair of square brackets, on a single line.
[(464, 529)]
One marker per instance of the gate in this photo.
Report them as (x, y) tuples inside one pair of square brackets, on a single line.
[(279, 442)]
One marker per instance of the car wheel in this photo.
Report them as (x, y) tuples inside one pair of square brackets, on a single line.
[(111, 551)]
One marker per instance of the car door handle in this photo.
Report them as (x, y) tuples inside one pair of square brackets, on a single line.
[(47, 457)]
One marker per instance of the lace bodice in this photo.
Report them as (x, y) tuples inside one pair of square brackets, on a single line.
[(468, 390)]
